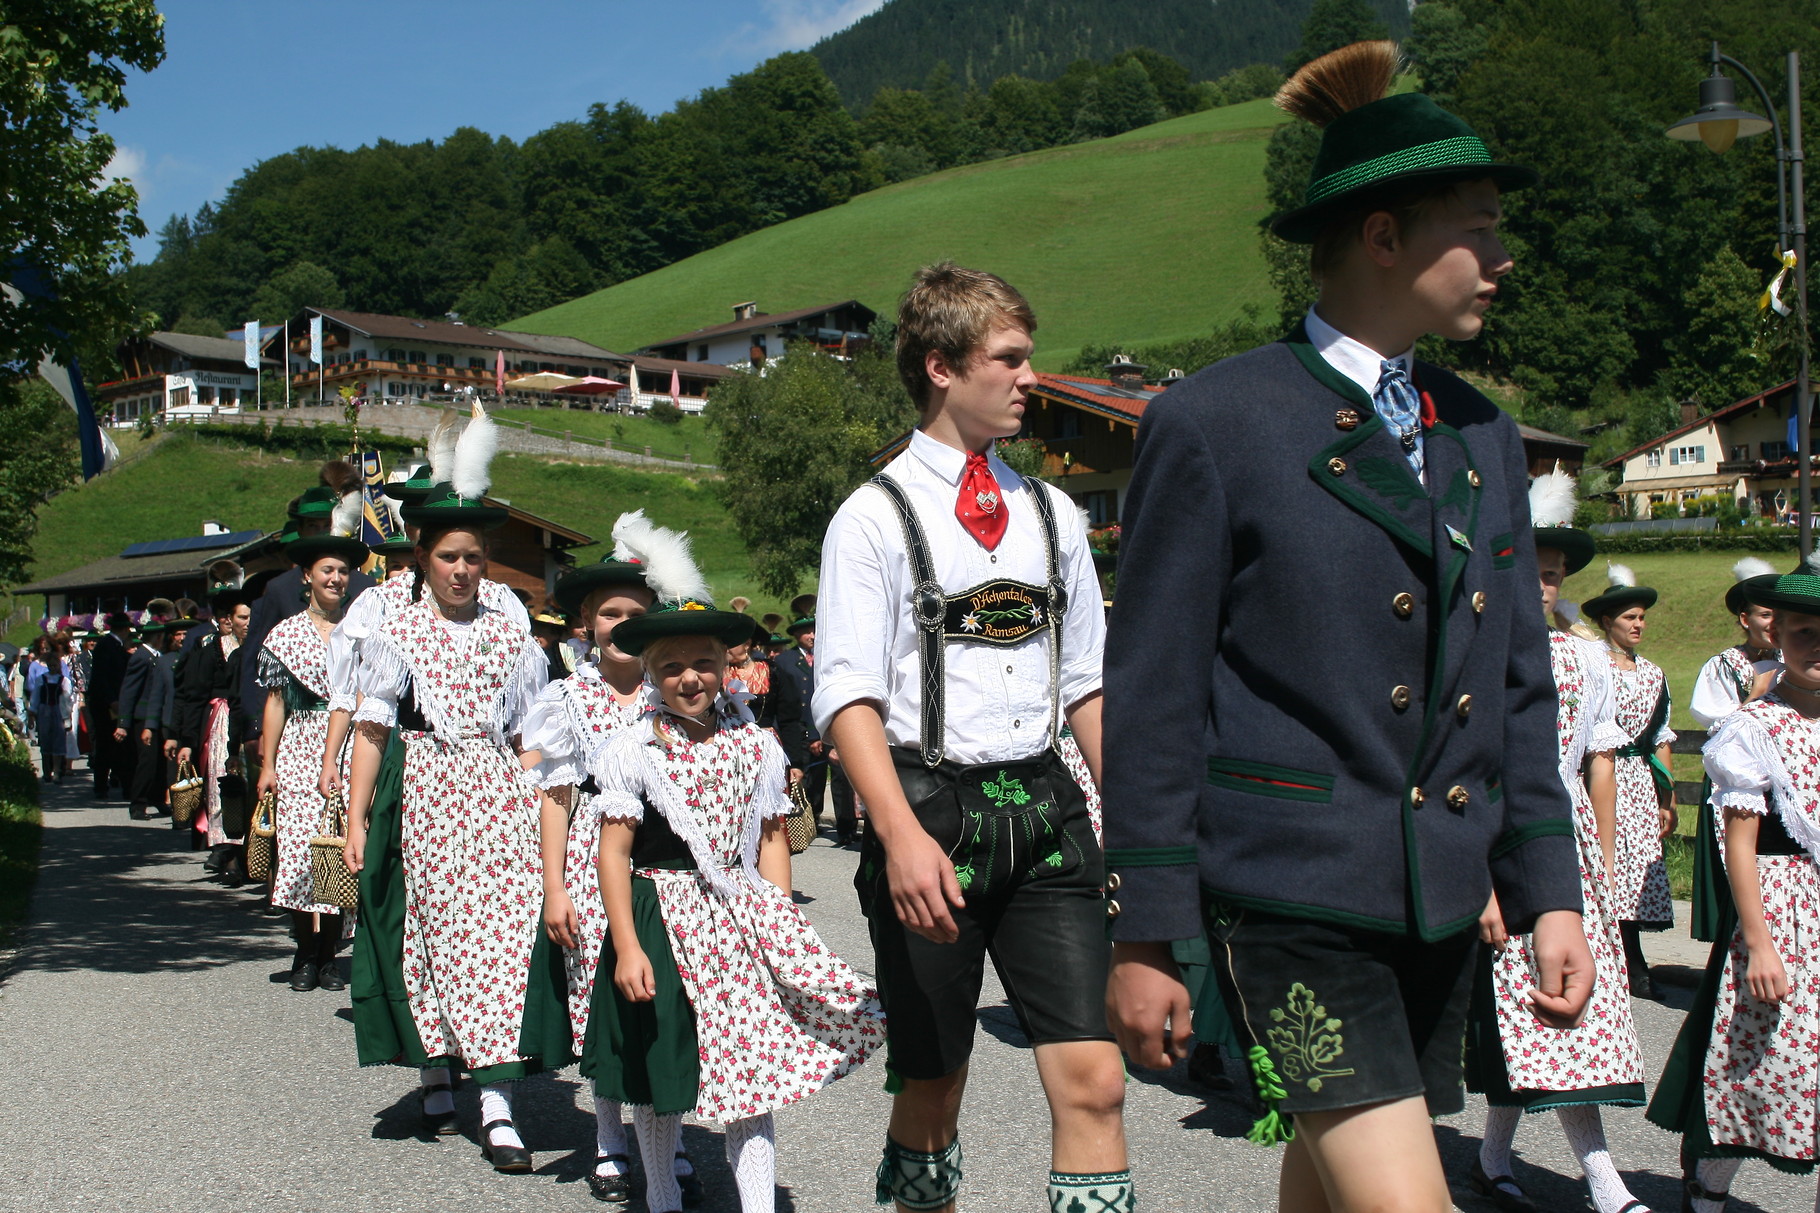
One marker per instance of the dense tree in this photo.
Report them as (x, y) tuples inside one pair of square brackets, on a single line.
[(1720, 356), (793, 444), (1332, 24), (37, 457), (285, 294)]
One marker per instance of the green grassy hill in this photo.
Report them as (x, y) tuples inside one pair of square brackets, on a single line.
[(1147, 236), (169, 486)]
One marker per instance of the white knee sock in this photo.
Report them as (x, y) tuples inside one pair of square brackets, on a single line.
[(609, 1136), (752, 1155), (496, 1104), (1586, 1137), (657, 1138), (1715, 1175), (1494, 1147), (438, 1090)]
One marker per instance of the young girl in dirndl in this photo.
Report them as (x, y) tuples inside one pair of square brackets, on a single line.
[(1515, 1060), (457, 679), (1743, 1081), (1640, 899), (570, 719), (293, 671), (715, 995)]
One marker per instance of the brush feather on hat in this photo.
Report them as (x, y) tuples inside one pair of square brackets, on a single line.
[(1620, 575), (441, 447), (1340, 81), (1751, 566), (346, 519), (1553, 497), (472, 473), (669, 564)]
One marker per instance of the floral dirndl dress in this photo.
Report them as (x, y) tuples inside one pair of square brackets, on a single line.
[(473, 965), (1743, 1080), (1640, 891), (572, 717), (777, 1015), (1514, 1059), (294, 662)]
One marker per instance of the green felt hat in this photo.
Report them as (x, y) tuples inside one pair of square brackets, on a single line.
[(443, 506), (306, 552), (319, 502), (152, 627), (577, 584), (691, 617), (801, 625), (397, 545), (1787, 592), (1571, 542), (1747, 570), (1621, 595), (181, 625), (415, 487), (1386, 146)]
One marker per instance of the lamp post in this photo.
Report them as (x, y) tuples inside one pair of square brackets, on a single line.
[(1718, 123)]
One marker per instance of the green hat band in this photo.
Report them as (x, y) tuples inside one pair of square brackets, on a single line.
[(1458, 151)]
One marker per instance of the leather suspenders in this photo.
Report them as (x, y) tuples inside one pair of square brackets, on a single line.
[(929, 609)]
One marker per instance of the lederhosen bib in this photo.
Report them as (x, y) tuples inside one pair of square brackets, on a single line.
[(1011, 814)]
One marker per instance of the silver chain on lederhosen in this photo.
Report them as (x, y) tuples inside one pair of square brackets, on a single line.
[(929, 608)]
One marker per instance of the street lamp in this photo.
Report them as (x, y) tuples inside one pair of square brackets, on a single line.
[(1718, 123)]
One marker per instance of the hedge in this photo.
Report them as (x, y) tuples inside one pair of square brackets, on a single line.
[(21, 825)]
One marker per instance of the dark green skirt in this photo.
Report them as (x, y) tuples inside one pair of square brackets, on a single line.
[(1212, 1022), (1486, 1073), (643, 1052), (1712, 895), (384, 1031)]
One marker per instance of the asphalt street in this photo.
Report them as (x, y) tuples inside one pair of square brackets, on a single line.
[(152, 1058)]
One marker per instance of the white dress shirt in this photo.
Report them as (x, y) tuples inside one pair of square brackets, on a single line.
[(866, 641), (1353, 359)]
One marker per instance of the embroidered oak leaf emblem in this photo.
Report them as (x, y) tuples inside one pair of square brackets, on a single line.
[(1391, 478), (1308, 1040), (1005, 791), (1459, 493)]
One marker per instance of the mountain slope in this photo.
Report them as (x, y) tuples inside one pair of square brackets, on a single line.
[(898, 45), (1147, 236)]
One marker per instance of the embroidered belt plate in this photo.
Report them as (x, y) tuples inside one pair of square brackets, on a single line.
[(998, 612)]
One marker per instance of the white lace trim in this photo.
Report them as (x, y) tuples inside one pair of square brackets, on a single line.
[(1742, 753)]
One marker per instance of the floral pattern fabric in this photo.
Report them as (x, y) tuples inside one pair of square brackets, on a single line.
[(295, 653), (1640, 891), (473, 873), (778, 1015), (1603, 1051)]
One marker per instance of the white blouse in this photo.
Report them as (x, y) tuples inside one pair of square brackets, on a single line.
[(368, 613)]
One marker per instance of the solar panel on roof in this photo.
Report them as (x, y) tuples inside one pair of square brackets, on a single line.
[(189, 543)]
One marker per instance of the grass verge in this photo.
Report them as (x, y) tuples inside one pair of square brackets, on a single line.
[(21, 825)]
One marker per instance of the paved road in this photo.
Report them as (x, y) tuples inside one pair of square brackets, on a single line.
[(151, 1058)]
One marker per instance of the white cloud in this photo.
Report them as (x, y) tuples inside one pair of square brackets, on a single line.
[(127, 162), (794, 25)]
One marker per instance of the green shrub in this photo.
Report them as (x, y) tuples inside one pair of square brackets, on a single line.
[(21, 824)]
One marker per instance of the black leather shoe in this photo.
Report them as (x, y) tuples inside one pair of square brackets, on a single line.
[(304, 977), (613, 1189), (690, 1185), (1497, 1188), (512, 1160), (328, 976), (445, 1124)]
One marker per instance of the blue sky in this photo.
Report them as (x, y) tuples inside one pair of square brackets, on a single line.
[(248, 80)]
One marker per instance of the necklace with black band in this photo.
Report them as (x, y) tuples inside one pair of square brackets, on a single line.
[(1791, 684)]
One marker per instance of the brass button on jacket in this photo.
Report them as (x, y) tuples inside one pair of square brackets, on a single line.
[(1404, 605), (1478, 602), (1399, 698), (1473, 479), (1113, 882), (1113, 909), (1457, 796), (1416, 797), (1464, 707), (1337, 466)]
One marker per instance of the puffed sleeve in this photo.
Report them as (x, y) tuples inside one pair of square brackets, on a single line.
[(529, 677), (1715, 694), (547, 730), (383, 678), (1742, 762), (363, 616), (1603, 733), (770, 791), (617, 766)]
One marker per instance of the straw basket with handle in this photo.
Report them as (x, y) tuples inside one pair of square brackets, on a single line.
[(186, 793), (799, 826), (262, 840), (331, 882)]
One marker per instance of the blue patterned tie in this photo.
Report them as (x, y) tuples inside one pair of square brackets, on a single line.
[(1397, 403)]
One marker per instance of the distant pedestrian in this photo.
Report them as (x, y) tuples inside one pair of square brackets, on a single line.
[(108, 759), (47, 695)]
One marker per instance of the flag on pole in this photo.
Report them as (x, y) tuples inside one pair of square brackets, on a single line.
[(98, 450), (316, 340), (675, 388), (499, 371), (251, 356), (376, 525)]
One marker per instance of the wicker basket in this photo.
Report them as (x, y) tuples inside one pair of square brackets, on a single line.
[(262, 840), (331, 882), (799, 826), (186, 793)]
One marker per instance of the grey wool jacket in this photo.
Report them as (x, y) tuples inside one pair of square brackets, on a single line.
[(1327, 687)]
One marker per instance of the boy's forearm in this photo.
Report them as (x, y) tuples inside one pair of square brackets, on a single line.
[(858, 732)]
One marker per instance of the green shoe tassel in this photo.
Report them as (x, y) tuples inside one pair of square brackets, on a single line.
[(1271, 1128)]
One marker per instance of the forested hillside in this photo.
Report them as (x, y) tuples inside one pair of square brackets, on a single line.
[(900, 44)]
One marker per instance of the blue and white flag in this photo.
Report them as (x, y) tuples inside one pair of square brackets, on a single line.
[(316, 340), (98, 450), (251, 357)]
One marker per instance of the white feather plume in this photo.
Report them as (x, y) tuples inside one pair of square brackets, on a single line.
[(669, 564), (1812, 563), (396, 514), (346, 519), (472, 474), (1751, 566), (1619, 574), (1552, 499), (441, 447)]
